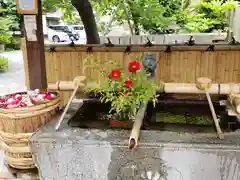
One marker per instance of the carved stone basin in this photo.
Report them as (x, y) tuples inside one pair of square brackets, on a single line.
[(97, 154)]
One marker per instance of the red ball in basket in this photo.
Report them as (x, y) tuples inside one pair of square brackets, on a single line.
[(27, 99)]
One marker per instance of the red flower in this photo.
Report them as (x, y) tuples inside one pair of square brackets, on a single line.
[(134, 66), (115, 74), (128, 83)]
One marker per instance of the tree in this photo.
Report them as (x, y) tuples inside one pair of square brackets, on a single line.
[(4, 23), (152, 16), (85, 11), (208, 16), (8, 14)]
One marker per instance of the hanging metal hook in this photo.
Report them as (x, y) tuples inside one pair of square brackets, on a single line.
[(72, 44), (89, 49), (211, 47), (52, 49), (128, 50), (109, 43), (149, 43), (234, 42), (168, 49), (191, 41)]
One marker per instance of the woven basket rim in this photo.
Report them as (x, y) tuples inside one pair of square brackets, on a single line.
[(28, 114), (32, 108)]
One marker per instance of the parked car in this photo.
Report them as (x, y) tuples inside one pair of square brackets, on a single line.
[(80, 30), (57, 36), (58, 33)]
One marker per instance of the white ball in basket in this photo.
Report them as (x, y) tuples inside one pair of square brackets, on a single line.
[(10, 100), (53, 95), (37, 91), (30, 93), (40, 97), (26, 99)]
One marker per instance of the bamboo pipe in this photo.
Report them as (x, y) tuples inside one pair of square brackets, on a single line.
[(234, 99), (68, 85), (184, 88), (204, 83), (192, 88), (77, 82), (133, 139)]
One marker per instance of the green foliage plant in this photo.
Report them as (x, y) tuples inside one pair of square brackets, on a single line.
[(208, 16), (3, 64), (126, 89), (5, 39)]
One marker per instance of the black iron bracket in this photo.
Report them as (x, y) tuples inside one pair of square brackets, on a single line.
[(148, 43), (52, 49), (72, 44), (109, 43), (168, 49), (128, 50), (234, 42), (191, 42), (211, 47), (89, 49)]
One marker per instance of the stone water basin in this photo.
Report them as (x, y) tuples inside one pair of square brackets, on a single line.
[(74, 153)]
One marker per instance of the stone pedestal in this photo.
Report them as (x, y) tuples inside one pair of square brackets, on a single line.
[(81, 154)]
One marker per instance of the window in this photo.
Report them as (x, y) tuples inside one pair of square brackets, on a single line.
[(78, 28)]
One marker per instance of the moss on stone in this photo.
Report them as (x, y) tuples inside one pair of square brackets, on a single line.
[(181, 119)]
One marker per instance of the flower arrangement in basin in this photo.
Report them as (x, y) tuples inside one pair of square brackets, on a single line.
[(125, 90)]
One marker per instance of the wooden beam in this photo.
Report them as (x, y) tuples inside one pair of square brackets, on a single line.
[(35, 50)]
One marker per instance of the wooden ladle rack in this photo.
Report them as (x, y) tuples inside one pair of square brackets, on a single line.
[(203, 85)]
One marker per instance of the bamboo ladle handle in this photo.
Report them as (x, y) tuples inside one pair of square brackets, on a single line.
[(77, 82), (204, 83)]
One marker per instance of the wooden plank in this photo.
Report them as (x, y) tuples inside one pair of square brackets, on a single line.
[(125, 40), (136, 40), (102, 39), (114, 39), (158, 39)]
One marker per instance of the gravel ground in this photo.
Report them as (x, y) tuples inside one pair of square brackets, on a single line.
[(10, 82), (14, 79)]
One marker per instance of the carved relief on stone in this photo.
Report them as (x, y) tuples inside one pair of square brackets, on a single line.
[(148, 168)]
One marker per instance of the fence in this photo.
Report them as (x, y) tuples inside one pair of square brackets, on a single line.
[(200, 38), (183, 64)]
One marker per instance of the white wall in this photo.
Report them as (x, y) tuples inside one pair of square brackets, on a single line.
[(44, 21), (236, 24)]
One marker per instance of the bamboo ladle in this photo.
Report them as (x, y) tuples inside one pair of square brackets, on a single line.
[(77, 82), (204, 83)]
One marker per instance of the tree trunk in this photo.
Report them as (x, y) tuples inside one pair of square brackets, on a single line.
[(135, 16), (136, 28), (126, 15), (85, 11)]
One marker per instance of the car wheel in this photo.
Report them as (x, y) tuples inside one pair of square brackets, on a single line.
[(71, 38), (56, 39), (77, 37)]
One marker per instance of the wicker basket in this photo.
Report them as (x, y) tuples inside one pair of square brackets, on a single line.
[(17, 126)]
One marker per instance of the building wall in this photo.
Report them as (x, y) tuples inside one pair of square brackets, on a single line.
[(236, 24)]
